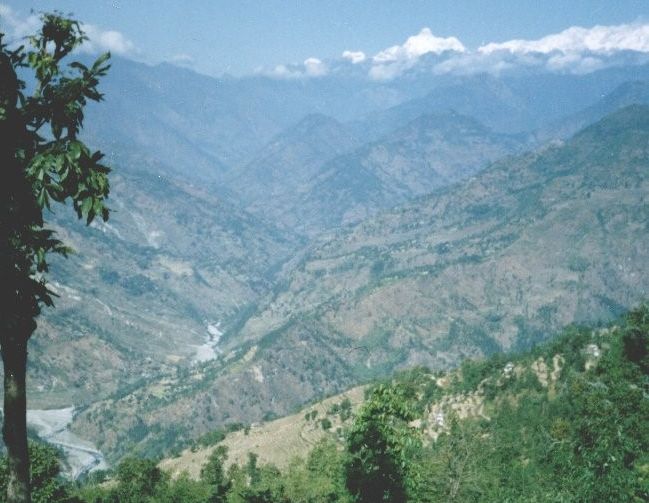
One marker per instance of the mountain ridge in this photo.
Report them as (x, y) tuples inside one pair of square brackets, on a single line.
[(496, 262)]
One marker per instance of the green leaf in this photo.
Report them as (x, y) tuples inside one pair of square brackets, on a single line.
[(75, 150), (101, 60), (78, 66), (86, 205), (41, 199)]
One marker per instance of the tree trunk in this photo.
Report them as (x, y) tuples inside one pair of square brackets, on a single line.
[(14, 430)]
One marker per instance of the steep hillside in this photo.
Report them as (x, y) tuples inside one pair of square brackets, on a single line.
[(489, 99), (280, 174), (315, 176), (430, 152), (152, 288), (529, 244), (564, 422), (279, 441), (497, 262), (243, 385), (629, 93)]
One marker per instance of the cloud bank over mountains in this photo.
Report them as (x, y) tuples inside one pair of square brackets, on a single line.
[(599, 39), (574, 50)]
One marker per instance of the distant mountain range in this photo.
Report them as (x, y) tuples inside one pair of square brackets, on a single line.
[(628, 93), (429, 152), (201, 127), (281, 174)]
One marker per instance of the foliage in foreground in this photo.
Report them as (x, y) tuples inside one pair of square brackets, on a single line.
[(583, 438), (43, 162)]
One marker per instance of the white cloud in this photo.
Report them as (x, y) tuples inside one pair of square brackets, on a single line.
[(599, 39), (106, 40), (574, 50), (354, 56), (418, 45), (386, 72), (15, 26), (282, 72), (396, 59), (182, 59), (574, 63), (313, 67), (471, 63)]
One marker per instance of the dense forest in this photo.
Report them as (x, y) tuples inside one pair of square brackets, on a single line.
[(563, 422)]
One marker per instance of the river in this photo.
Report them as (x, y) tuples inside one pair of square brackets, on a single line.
[(53, 426)]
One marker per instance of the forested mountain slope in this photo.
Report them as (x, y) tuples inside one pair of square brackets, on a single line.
[(430, 152)]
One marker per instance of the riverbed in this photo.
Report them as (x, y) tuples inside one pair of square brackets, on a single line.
[(53, 426)]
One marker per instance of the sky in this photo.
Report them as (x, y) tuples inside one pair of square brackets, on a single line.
[(241, 37)]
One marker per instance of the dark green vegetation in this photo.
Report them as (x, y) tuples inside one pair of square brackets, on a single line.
[(47, 485), (43, 162), (564, 422)]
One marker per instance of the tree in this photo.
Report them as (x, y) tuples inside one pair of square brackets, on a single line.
[(381, 444), (46, 483), (138, 480), (214, 474), (42, 161), (321, 479)]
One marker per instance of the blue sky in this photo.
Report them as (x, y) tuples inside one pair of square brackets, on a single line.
[(240, 36)]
